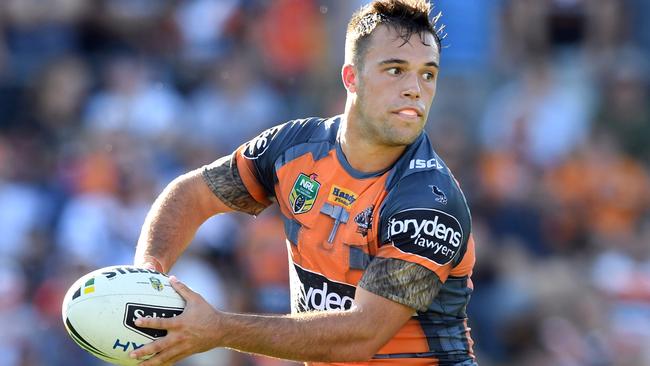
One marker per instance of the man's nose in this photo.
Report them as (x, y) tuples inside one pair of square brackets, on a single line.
[(412, 88)]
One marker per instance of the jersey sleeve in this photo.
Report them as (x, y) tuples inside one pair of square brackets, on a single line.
[(424, 223), (256, 159)]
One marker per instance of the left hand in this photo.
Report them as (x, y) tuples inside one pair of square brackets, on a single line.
[(194, 331)]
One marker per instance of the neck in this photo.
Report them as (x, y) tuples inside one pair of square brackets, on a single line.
[(363, 153)]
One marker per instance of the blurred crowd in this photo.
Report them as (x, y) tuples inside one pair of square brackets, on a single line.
[(543, 113)]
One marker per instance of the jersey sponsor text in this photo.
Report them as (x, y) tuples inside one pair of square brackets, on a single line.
[(426, 232)]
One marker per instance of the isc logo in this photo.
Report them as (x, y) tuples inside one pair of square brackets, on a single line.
[(422, 164)]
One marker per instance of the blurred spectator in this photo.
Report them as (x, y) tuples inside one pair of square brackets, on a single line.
[(234, 105), (202, 24), (622, 274), (37, 31), (24, 207), (542, 115), (264, 261), (134, 103), (624, 111), (291, 37), (599, 193)]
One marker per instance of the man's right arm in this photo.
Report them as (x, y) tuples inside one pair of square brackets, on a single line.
[(184, 205)]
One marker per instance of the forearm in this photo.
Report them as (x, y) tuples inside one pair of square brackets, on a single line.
[(173, 220), (345, 336), (324, 337)]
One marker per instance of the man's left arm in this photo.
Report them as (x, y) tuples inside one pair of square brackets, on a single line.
[(352, 335)]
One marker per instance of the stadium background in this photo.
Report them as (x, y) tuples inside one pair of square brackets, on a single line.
[(543, 113)]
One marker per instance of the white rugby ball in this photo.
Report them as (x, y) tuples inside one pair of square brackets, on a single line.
[(100, 308)]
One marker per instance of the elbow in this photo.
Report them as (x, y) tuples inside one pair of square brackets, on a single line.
[(359, 346), (366, 353), (370, 348), (364, 349), (360, 353)]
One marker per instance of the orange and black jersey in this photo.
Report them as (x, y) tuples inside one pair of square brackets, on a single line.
[(338, 220)]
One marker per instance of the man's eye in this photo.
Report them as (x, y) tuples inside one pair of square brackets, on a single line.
[(394, 71), (428, 76)]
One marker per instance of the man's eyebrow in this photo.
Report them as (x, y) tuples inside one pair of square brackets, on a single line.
[(432, 64), (392, 61)]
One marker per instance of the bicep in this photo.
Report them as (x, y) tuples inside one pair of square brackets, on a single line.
[(222, 181), (206, 203), (404, 282)]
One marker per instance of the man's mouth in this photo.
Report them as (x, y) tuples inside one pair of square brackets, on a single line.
[(408, 112)]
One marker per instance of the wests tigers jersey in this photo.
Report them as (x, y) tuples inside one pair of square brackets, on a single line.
[(337, 220)]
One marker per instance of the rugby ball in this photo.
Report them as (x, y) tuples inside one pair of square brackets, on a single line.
[(99, 310)]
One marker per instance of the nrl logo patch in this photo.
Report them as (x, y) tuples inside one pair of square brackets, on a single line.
[(304, 193), (156, 284)]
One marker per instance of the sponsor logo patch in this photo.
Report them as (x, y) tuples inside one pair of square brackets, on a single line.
[(342, 196), (304, 193), (258, 146), (425, 164), (316, 292), (135, 311), (428, 233), (440, 195), (364, 220)]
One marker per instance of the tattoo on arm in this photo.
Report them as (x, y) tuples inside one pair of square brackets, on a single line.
[(224, 180), (407, 283)]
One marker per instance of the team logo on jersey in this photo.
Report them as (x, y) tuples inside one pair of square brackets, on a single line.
[(440, 195), (342, 196), (304, 193), (426, 232), (364, 221), (257, 146)]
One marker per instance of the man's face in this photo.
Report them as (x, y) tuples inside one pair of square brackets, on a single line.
[(395, 87)]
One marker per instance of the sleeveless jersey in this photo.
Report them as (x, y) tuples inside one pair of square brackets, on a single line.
[(337, 220)]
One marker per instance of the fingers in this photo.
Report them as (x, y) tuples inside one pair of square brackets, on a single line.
[(155, 347), (155, 323), (181, 288), (164, 354)]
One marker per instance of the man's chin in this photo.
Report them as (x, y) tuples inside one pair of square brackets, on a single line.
[(400, 139)]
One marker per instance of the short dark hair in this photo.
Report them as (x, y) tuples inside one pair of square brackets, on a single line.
[(407, 17)]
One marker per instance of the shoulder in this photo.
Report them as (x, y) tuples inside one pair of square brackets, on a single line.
[(424, 204), (421, 178), (291, 133)]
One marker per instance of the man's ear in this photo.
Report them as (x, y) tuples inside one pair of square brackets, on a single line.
[(350, 79)]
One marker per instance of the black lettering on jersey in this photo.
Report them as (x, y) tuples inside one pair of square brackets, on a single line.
[(257, 146), (426, 232), (317, 292)]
